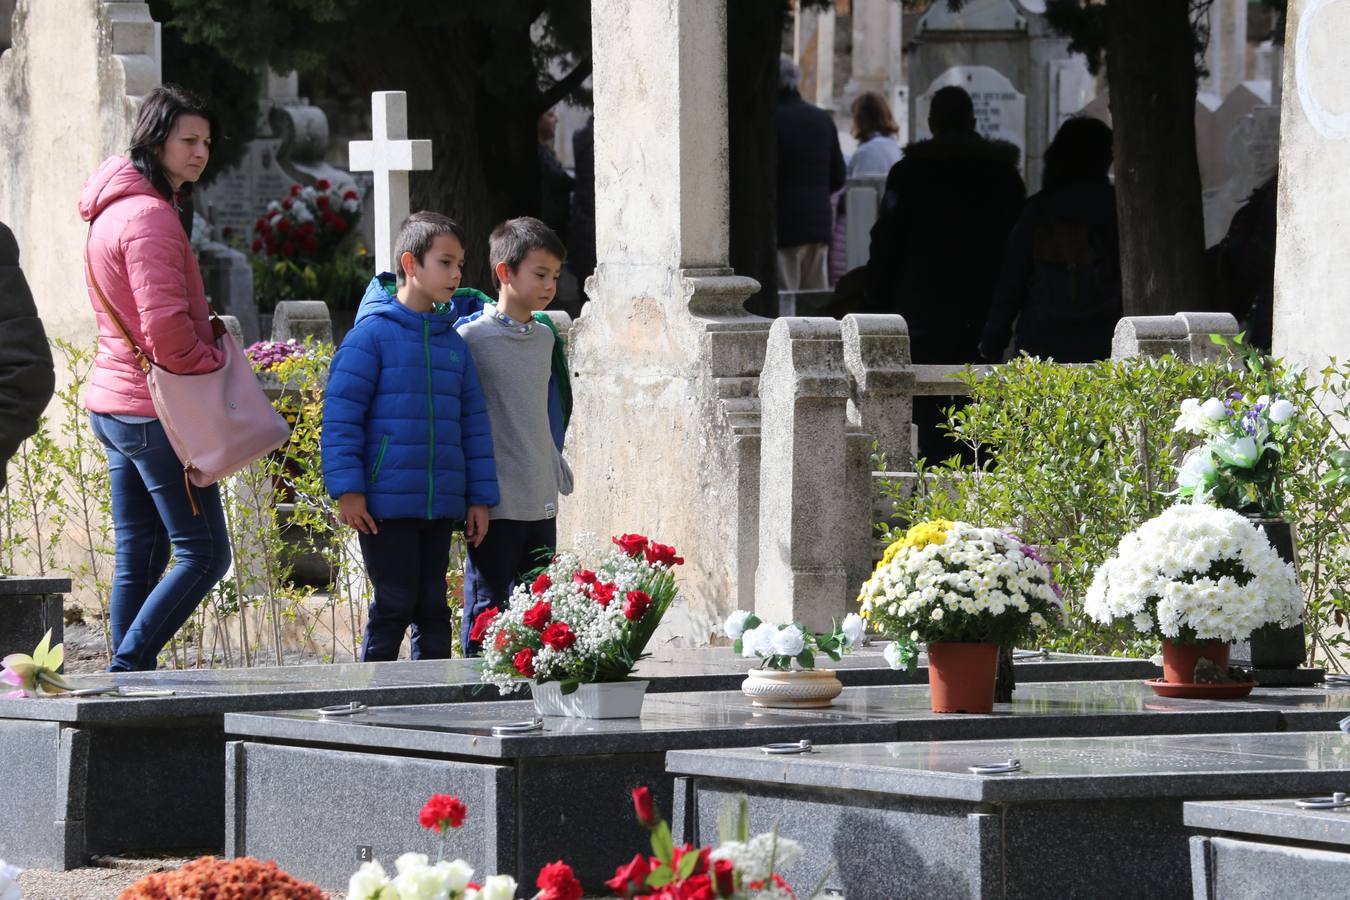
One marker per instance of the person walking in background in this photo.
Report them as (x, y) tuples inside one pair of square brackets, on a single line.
[(555, 182), (938, 243), (878, 151), (1061, 271), (810, 169), (581, 223), (27, 377), (140, 261)]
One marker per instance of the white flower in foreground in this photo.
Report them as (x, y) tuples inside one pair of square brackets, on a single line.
[(1213, 409), (853, 628), (456, 874), (788, 641), (892, 655), (496, 887), (1196, 468), (1191, 420), (1281, 410), (416, 880), (734, 626), (367, 883)]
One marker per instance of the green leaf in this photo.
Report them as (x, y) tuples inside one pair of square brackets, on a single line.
[(688, 863), (752, 621), (663, 845), (738, 647), (661, 876), (806, 659)]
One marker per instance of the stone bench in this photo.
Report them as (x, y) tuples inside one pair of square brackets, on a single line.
[(1084, 817), (1256, 848), (29, 608)]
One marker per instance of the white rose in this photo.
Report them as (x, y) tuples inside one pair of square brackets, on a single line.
[(853, 628), (1281, 410), (892, 655), (734, 626), (788, 641), (497, 887), (455, 874), (1213, 409), (758, 641), (937, 614), (1196, 468), (366, 884)]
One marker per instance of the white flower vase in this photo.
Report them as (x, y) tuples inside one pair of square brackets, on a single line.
[(792, 689), (606, 700)]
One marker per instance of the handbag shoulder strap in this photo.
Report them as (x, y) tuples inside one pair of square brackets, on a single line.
[(141, 358)]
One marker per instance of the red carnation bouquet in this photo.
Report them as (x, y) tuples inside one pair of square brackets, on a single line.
[(578, 625), (307, 224)]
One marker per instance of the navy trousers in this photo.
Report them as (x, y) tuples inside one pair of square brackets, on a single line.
[(511, 550), (407, 561)]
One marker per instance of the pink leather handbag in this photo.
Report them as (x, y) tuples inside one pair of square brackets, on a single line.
[(217, 422)]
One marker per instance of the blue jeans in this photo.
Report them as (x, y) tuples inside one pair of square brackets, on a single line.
[(152, 514), (407, 561)]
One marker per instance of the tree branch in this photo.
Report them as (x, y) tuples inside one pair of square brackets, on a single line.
[(565, 85)]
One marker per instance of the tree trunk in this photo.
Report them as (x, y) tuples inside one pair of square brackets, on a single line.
[(1150, 61), (754, 36)]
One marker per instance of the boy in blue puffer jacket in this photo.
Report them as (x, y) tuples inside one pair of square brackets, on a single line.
[(406, 445)]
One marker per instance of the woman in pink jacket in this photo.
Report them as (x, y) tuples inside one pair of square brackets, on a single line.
[(139, 256)]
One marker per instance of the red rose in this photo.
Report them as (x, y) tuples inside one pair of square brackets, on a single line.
[(557, 882), (603, 592), (295, 189), (644, 807), (585, 576), (350, 195), (322, 201), (257, 246), (703, 854), (340, 225), (630, 877), (260, 224), (288, 248), (541, 584), (724, 878), (284, 225), (503, 640), (636, 605), (699, 887), (663, 554), (559, 636), (482, 622), (442, 811), (310, 244), (632, 544), (287, 203), (524, 662), (538, 616), (322, 184)]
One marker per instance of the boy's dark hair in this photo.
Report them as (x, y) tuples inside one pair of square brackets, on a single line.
[(513, 240), (418, 232), (161, 108)]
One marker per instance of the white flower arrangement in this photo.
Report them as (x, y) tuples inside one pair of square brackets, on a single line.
[(779, 646), (951, 581), (1195, 573), (576, 625), (417, 878)]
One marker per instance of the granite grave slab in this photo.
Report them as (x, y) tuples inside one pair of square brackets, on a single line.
[(1251, 849), (29, 608), (1082, 817), (358, 782)]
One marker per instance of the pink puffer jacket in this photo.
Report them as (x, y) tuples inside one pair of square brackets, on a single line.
[(145, 266)]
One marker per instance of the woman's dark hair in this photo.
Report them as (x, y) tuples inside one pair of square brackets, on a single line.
[(1081, 150), (159, 112), (872, 116)]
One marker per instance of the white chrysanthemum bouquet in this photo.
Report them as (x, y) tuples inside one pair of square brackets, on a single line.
[(1195, 573), (576, 625), (952, 582)]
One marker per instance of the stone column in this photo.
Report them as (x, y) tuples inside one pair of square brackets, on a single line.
[(1312, 269), (877, 64), (804, 476), (813, 50), (70, 87), (881, 383), (664, 436), (1226, 53)]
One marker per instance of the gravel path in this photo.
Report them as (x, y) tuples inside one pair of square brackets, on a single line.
[(103, 880)]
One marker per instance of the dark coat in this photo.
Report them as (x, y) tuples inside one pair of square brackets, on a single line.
[(810, 169), (581, 241), (1061, 276), (27, 377), (937, 246), (404, 419)]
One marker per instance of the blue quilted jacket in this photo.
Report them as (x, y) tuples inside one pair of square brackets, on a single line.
[(404, 420)]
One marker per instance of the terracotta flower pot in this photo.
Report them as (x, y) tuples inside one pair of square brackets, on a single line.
[(1179, 659), (961, 677)]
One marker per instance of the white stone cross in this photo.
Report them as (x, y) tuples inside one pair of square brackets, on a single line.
[(391, 156)]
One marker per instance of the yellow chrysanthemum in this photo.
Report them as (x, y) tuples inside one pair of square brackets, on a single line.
[(925, 533)]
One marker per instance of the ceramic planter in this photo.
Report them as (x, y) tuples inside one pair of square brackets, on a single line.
[(791, 689), (961, 677)]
